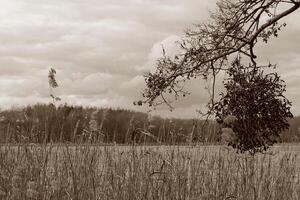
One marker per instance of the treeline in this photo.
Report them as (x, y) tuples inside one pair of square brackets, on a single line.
[(42, 123)]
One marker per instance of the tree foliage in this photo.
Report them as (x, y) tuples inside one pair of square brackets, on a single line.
[(76, 124), (234, 28), (256, 100), (44, 123)]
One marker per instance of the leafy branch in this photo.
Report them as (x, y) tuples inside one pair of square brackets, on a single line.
[(234, 29)]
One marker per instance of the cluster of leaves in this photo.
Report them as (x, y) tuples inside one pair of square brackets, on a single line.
[(256, 100)]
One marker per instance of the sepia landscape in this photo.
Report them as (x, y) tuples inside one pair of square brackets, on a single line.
[(170, 100)]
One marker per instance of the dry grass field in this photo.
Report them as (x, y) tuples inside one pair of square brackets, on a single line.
[(147, 172)]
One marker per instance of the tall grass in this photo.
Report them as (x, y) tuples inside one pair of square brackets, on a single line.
[(164, 172)]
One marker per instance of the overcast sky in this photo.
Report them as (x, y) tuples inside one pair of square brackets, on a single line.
[(101, 48)]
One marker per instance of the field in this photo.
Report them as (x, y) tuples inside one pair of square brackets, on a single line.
[(147, 172)]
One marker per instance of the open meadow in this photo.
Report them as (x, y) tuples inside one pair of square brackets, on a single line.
[(147, 172), (150, 100)]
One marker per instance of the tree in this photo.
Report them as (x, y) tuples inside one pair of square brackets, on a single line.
[(234, 29), (255, 99)]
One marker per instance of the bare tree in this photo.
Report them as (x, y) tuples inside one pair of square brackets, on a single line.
[(233, 30)]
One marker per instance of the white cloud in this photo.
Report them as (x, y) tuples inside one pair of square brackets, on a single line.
[(171, 47), (136, 82), (101, 49)]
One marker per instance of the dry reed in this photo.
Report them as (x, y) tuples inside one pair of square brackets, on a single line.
[(132, 172)]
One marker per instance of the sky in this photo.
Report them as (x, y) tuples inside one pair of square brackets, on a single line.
[(101, 49)]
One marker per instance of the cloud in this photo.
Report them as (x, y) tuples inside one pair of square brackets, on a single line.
[(101, 49), (136, 82), (171, 47)]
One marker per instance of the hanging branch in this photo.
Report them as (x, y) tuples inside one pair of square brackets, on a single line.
[(234, 29)]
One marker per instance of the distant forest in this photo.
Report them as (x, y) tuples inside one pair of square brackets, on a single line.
[(43, 123)]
